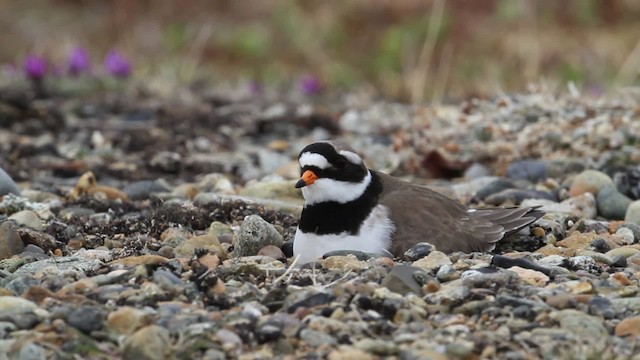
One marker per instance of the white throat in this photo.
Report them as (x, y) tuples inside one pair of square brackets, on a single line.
[(325, 189)]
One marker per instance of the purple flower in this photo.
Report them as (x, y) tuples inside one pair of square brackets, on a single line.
[(78, 61), (310, 85), (35, 67), (255, 88), (117, 65)]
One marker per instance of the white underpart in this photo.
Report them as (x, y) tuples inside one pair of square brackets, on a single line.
[(313, 159), (351, 156), (325, 189), (374, 237)]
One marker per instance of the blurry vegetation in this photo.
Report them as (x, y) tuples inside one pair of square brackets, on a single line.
[(412, 50)]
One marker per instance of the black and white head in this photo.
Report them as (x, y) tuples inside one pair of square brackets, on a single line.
[(331, 171)]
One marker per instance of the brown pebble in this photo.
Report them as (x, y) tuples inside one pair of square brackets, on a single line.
[(432, 286), (75, 244), (628, 326), (538, 232), (621, 278), (211, 261), (133, 261), (57, 252), (272, 251)]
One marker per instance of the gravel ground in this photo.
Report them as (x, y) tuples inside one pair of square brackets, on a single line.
[(143, 225)]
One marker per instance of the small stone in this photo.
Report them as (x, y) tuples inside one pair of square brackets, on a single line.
[(273, 252), (418, 251), (619, 261), (133, 261), (531, 277), (207, 242), (579, 287), (601, 306), (185, 191), (141, 190), (149, 343), (7, 185), (29, 219), (317, 338), (253, 235), (582, 325), (402, 280), (222, 231), (623, 251), (527, 169), (628, 326), (349, 353), (447, 273), (31, 351), (633, 213), (460, 349), (538, 231), (211, 261), (344, 263), (433, 261), (10, 241), (86, 318), (611, 203), (626, 235), (167, 251), (600, 245), (377, 346), (589, 181)]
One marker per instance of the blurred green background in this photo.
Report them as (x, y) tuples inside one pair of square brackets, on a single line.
[(407, 50)]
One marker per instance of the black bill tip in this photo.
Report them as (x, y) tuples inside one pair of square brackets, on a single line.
[(300, 184)]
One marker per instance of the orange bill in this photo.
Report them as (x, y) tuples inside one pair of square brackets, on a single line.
[(308, 177)]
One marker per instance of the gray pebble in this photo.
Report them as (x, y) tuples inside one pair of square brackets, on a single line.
[(253, 235), (7, 185), (611, 203)]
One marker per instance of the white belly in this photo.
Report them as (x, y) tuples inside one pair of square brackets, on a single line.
[(374, 237)]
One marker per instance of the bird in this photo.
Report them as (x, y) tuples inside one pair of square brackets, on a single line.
[(350, 207)]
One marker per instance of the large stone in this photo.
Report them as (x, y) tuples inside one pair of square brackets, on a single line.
[(633, 213), (254, 234), (589, 181), (207, 241), (611, 203), (28, 218), (7, 185), (10, 241), (149, 343)]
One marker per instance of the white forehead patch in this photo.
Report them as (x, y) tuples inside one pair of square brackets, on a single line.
[(351, 156), (313, 159)]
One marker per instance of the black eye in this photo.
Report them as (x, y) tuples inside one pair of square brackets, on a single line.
[(340, 163)]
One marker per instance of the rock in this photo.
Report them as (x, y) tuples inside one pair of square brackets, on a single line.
[(432, 261), (166, 161), (126, 320), (418, 251), (222, 231), (31, 351), (272, 251), (494, 187), (185, 191), (611, 203), (600, 245), (589, 181), (72, 213), (402, 280), (377, 346), (149, 343), (517, 196), (447, 273), (532, 277), (253, 235), (628, 327), (601, 306), (7, 185), (582, 325), (527, 169), (208, 242), (40, 239), (133, 261), (348, 353), (626, 235), (29, 219), (86, 318), (475, 171), (344, 263), (633, 213), (316, 338), (622, 251), (141, 190), (10, 241), (508, 262)]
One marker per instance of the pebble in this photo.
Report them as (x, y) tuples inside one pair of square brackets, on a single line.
[(343, 263), (273, 252), (447, 273), (628, 327), (532, 277), (402, 280), (254, 234), (141, 190), (207, 242), (418, 251), (317, 338), (86, 318), (633, 213), (589, 181), (611, 203), (7, 185), (433, 261), (148, 343), (583, 325), (527, 169), (29, 219), (622, 251), (10, 241)]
